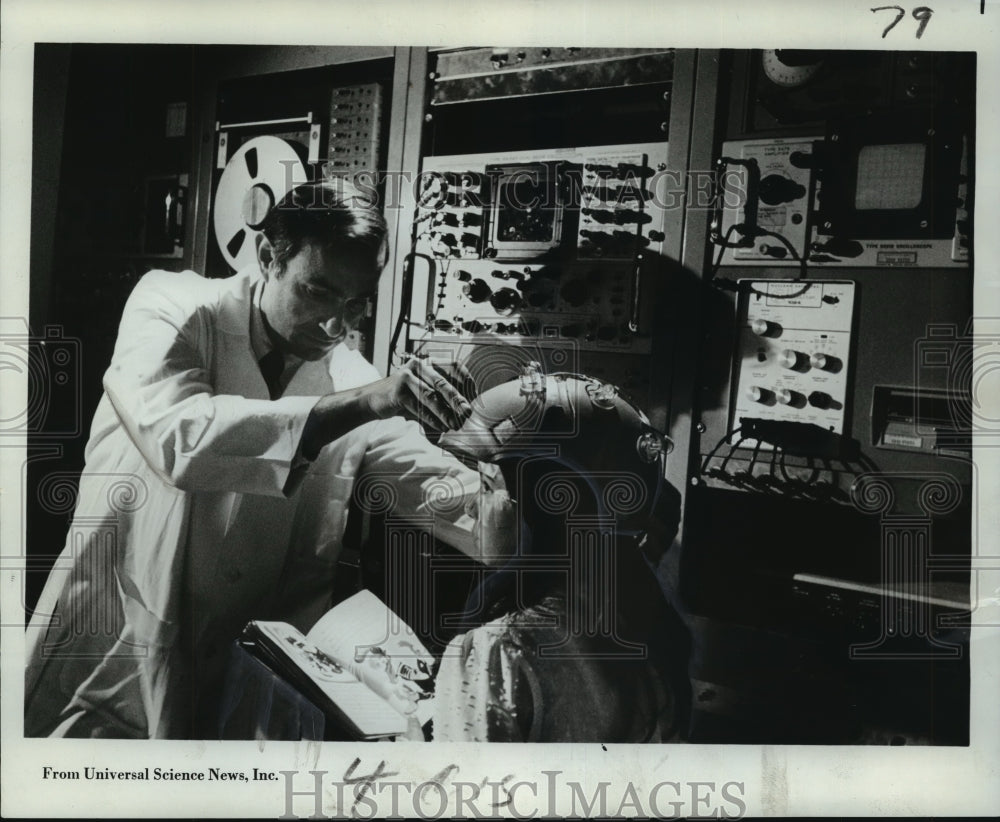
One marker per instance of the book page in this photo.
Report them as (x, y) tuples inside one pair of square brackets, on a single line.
[(363, 707), (372, 642)]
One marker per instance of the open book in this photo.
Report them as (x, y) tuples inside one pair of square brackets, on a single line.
[(360, 664)]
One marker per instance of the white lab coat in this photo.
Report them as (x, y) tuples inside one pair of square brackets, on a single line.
[(191, 518)]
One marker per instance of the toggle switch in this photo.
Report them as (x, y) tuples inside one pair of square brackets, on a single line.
[(776, 251)]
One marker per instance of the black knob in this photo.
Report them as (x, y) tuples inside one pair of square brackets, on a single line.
[(821, 400), (446, 218), (800, 159), (505, 301), (448, 239), (623, 216), (598, 215), (840, 247), (477, 291), (627, 237), (776, 188)]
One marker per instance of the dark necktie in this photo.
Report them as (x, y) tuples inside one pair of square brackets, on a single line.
[(271, 366)]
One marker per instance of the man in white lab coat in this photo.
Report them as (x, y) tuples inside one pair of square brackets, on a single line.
[(219, 470)]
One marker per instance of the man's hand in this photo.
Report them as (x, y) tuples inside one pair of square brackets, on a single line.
[(421, 390), (425, 391)]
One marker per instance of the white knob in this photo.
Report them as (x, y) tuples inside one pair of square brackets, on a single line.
[(765, 328), (789, 358), (788, 397), (824, 362)]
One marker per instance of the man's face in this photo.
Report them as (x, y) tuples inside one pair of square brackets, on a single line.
[(317, 295)]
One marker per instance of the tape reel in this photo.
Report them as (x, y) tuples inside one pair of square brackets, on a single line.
[(259, 174)]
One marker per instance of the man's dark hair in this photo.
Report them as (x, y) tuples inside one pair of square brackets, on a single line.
[(333, 214)]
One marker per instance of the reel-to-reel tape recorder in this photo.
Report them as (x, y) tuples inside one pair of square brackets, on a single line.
[(259, 161), (257, 176)]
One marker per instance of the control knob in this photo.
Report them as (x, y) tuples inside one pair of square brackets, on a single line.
[(825, 362), (598, 215), (505, 301), (598, 237), (445, 218), (757, 394), (765, 328), (786, 396), (821, 400), (794, 360), (775, 189), (477, 291)]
